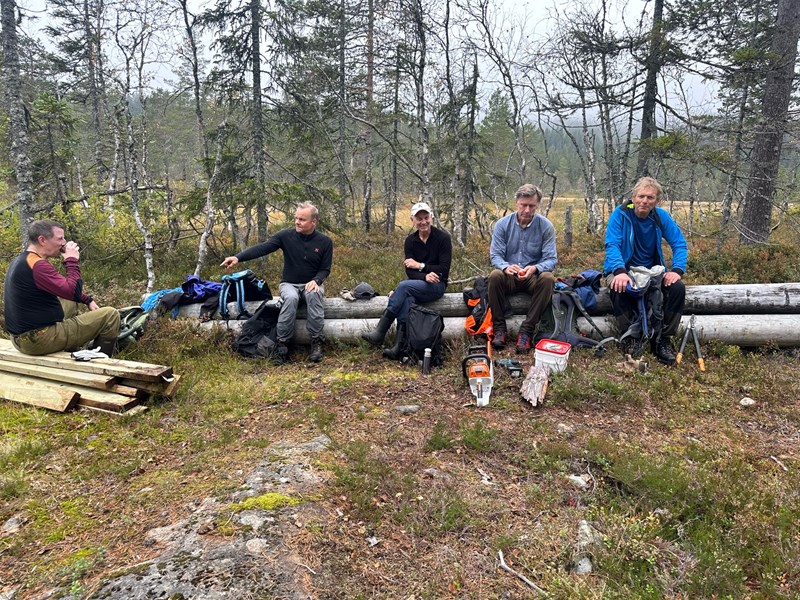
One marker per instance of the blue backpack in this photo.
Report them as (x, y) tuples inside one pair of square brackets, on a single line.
[(241, 287)]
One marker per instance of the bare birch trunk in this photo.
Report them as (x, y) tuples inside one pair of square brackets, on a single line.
[(202, 249)]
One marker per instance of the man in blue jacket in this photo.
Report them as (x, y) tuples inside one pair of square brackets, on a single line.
[(633, 239), (523, 254)]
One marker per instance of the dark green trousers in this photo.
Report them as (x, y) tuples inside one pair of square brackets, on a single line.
[(71, 333)]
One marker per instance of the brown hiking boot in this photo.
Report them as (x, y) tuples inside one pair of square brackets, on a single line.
[(523, 343), (500, 339)]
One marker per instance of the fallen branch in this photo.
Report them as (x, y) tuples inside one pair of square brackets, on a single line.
[(520, 576), (779, 463)]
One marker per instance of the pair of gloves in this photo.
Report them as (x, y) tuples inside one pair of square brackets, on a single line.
[(87, 355)]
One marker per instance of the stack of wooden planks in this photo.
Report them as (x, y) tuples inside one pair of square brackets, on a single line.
[(59, 382)]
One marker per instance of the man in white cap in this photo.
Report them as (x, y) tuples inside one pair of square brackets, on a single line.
[(428, 252), (523, 254)]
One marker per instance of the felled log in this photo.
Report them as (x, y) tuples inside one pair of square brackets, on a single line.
[(740, 330), (762, 298)]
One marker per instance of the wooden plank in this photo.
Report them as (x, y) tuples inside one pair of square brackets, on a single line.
[(106, 400), (138, 409), (37, 392), (100, 382), (162, 388), (104, 366), (169, 391), (125, 390)]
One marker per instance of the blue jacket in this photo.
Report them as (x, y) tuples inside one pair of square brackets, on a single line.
[(619, 240)]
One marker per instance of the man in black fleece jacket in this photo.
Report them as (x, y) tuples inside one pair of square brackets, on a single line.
[(307, 258)]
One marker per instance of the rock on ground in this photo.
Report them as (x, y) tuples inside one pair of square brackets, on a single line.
[(254, 562)]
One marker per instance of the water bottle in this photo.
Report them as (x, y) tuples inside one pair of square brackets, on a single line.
[(426, 362)]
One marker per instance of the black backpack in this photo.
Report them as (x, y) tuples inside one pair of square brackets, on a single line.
[(258, 337), (241, 287), (560, 319), (424, 329)]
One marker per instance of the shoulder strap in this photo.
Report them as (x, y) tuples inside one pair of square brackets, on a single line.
[(576, 300), (240, 299), (656, 218), (223, 296)]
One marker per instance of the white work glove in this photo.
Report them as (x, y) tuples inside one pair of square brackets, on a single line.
[(86, 355)]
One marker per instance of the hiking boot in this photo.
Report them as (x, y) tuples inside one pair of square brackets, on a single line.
[(315, 355), (281, 354), (396, 351), (376, 337), (523, 343), (107, 345), (662, 349), (500, 339)]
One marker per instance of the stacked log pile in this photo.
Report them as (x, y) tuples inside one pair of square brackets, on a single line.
[(745, 315), (61, 383)]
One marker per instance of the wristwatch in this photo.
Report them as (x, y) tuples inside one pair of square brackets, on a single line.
[(421, 266)]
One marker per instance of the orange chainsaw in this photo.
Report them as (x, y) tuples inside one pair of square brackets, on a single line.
[(478, 369)]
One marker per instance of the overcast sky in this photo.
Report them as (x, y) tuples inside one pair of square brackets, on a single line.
[(536, 17)]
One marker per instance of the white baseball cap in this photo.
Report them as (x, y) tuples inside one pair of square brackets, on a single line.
[(419, 207)]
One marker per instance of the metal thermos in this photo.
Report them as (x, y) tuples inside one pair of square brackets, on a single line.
[(426, 362)]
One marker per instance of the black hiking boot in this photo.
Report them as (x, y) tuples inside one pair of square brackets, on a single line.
[(316, 355), (107, 345), (396, 351), (662, 349), (376, 337), (281, 354)]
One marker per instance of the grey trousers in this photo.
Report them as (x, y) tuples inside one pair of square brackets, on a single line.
[(291, 294)]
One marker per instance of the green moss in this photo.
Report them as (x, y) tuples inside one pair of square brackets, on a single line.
[(270, 501)]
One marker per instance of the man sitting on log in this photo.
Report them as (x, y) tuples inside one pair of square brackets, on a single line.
[(41, 304), (307, 260), (523, 254), (633, 239), (428, 254)]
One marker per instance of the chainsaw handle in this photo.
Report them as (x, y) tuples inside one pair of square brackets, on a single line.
[(473, 357)]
